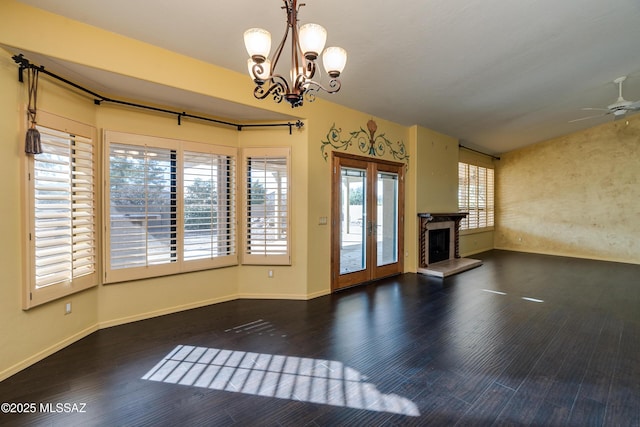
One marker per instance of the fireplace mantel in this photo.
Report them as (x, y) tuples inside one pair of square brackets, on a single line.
[(455, 264), (440, 216)]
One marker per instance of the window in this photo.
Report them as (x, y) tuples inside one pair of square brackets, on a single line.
[(475, 195), (266, 204), (209, 205), (170, 205), (142, 206), (61, 202)]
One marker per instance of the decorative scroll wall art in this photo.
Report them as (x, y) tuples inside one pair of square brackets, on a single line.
[(366, 141)]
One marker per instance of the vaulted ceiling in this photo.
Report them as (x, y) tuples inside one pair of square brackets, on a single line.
[(496, 74)]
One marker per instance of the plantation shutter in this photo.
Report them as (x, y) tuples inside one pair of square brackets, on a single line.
[(490, 198), (142, 206), (171, 206), (64, 208), (209, 205), (476, 196), (266, 189), (61, 206), (482, 198), (463, 193)]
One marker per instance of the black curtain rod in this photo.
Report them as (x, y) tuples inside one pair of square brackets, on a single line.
[(99, 99), (479, 152)]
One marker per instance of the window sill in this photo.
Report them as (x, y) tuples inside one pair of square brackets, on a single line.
[(476, 231)]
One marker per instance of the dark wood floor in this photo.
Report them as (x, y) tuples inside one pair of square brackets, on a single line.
[(409, 350)]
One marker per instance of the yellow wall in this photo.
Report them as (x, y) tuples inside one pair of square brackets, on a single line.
[(26, 337), (574, 196), (437, 176)]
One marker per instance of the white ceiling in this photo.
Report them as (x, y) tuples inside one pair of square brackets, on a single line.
[(496, 74)]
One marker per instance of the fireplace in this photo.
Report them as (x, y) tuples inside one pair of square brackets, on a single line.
[(439, 245)]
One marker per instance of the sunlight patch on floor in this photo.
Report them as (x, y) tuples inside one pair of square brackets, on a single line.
[(494, 292), (304, 379)]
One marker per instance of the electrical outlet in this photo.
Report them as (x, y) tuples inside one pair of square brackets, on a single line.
[(270, 274), (67, 308)]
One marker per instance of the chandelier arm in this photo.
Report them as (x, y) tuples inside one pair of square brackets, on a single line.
[(278, 88), (311, 86), (311, 69), (278, 51), (299, 83), (296, 63), (278, 79), (257, 70)]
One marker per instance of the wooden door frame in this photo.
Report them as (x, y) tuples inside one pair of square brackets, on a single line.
[(373, 272)]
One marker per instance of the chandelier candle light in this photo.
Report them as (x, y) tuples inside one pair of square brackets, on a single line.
[(307, 42)]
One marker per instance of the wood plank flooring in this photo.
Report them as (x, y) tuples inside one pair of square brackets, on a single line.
[(522, 340)]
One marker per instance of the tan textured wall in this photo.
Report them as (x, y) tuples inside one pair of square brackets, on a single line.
[(577, 196)]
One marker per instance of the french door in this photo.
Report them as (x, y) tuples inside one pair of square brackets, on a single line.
[(367, 236)]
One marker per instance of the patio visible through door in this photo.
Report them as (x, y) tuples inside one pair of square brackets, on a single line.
[(368, 219)]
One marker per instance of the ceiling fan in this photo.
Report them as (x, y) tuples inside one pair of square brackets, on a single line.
[(618, 108)]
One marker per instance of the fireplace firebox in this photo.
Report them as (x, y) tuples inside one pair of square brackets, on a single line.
[(439, 245)]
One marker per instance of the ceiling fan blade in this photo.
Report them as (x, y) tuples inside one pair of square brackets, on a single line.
[(595, 109), (635, 106), (588, 117)]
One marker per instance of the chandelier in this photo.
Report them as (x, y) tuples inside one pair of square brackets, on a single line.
[(307, 42)]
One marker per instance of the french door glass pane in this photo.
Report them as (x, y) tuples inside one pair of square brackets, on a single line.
[(387, 218), (353, 220)]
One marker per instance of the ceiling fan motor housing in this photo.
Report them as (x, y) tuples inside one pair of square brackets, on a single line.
[(620, 104)]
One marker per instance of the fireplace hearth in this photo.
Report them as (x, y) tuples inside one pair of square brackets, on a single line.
[(439, 245)]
